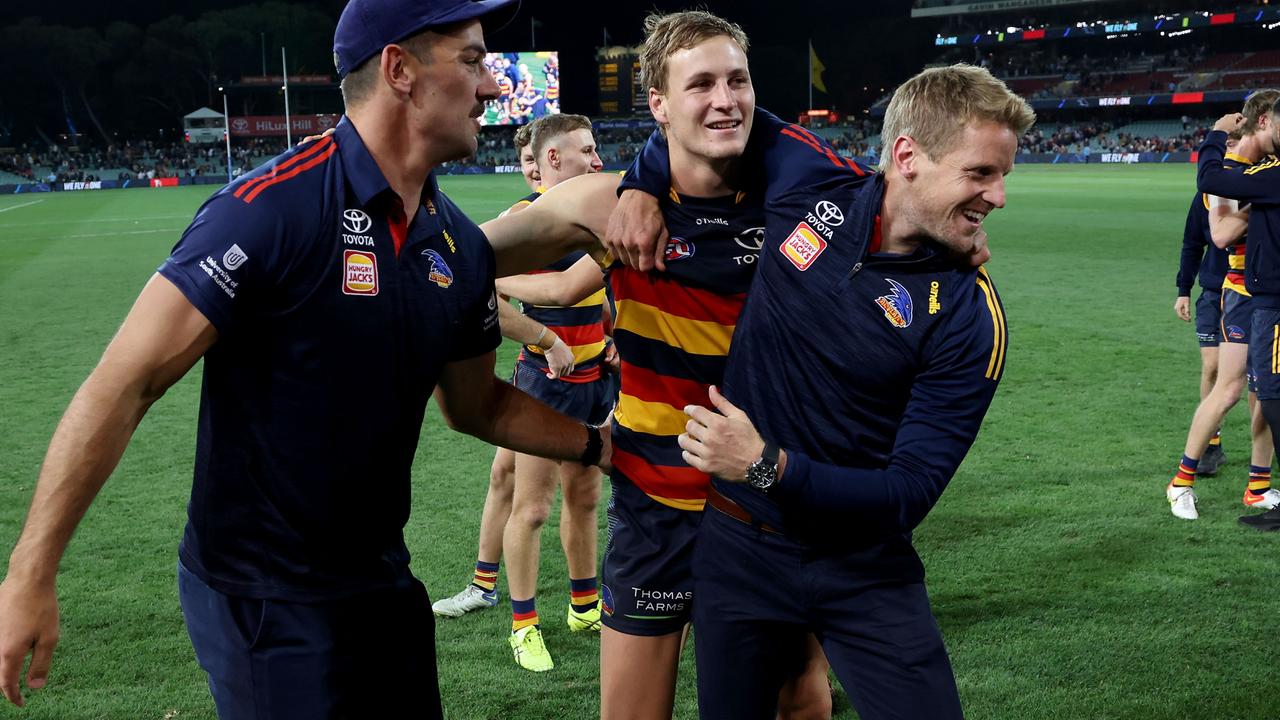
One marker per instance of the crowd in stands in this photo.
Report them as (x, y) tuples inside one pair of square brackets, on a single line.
[(144, 160), (135, 160), (1103, 137), (1038, 62)]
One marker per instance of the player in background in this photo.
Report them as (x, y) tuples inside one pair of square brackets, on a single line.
[(1259, 186), (481, 592), (564, 148), (1227, 226), (528, 163), (1200, 257), (673, 330)]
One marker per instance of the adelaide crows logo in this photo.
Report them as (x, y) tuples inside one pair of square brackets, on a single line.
[(896, 305), (678, 249), (439, 272)]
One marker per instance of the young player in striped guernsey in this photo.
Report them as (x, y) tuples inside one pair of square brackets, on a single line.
[(1258, 186), (673, 330), (1201, 259), (1228, 223), (482, 592), (563, 147)]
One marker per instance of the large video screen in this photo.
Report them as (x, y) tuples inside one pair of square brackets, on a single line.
[(530, 87)]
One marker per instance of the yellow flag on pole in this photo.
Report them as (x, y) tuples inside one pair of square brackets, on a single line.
[(816, 69)]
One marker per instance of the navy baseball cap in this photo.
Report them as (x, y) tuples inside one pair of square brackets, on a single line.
[(367, 26)]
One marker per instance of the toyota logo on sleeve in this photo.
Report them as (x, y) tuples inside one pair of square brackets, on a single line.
[(357, 221), (827, 212)]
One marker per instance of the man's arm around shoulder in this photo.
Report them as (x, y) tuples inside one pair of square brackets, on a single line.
[(570, 216)]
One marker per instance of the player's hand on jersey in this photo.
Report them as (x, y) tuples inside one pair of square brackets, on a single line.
[(637, 235), (612, 358), (1230, 122), (723, 443), (310, 138), (1182, 306), (559, 358), (28, 624)]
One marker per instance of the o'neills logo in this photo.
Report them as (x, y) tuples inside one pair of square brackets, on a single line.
[(359, 273)]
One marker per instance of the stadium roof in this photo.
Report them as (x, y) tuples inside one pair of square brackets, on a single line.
[(201, 114)]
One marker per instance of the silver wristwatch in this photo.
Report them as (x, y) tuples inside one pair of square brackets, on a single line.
[(763, 473)]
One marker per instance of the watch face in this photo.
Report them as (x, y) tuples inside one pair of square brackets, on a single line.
[(762, 474)]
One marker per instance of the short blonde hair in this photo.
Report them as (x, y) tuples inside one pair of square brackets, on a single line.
[(1259, 103), (549, 127), (664, 35), (934, 107)]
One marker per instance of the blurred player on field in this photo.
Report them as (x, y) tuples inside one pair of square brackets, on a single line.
[(1200, 257), (1228, 223)]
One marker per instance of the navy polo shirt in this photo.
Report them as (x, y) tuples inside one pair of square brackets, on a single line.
[(334, 322), (872, 370), (1259, 185)]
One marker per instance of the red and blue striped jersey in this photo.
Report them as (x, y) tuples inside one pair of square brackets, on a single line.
[(873, 371), (1234, 278), (673, 331), (580, 326), (1257, 186)]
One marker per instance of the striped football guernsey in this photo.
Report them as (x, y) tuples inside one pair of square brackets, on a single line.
[(1234, 279), (672, 331), (580, 326)]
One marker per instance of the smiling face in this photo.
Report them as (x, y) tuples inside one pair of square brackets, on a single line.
[(709, 100), (949, 198), (529, 167)]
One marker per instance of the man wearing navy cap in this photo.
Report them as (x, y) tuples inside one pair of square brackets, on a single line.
[(330, 293)]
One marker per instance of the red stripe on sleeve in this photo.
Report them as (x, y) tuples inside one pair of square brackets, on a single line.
[(300, 157), (812, 144), (292, 173)]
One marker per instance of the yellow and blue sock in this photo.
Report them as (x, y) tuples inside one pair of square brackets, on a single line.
[(1216, 440), (1259, 479), (486, 577), (583, 594), (523, 613), (1186, 475)]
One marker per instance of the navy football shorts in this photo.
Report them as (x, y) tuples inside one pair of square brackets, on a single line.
[(1264, 353), (646, 584), (759, 596), (302, 661), (589, 402), (1209, 318), (1237, 314)]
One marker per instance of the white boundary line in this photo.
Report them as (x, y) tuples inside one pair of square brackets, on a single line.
[(15, 207)]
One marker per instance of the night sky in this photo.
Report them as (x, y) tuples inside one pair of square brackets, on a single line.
[(863, 44)]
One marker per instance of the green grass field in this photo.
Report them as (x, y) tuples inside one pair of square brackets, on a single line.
[(1063, 585)]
